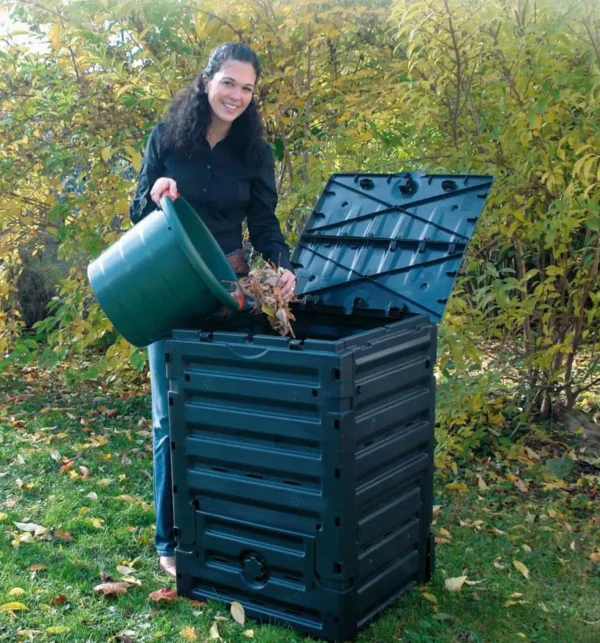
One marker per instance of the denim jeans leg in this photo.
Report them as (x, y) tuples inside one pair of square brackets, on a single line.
[(163, 498)]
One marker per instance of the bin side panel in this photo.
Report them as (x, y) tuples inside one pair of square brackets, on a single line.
[(270, 572), (393, 460), (257, 432)]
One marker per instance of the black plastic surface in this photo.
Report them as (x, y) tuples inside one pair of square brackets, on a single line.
[(389, 242), (303, 469)]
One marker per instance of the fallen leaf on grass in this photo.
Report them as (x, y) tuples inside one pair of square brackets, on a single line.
[(92, 495), (461, 487), (188, 633), (455, 584), (522, 568), (63, 535), (25, 537), (58, 600), (99, 441), (481, 484), (37, 567), (237, 611), (163, 594), (445, 533), (221, 618), (14, 606), (429, 597), (125, 636), (521, 486), (595, 557), (133, 500), (195, 603), (248, 633), (16, 591), (132, 580), (97, 522), (107, 412), (214, 632), (526, 548), (3, 516), (136, 563), (57, 629), (127, 498), (36, 530), (113, 588), (125, 570), (29, 633), (67, 466), (442, 541)]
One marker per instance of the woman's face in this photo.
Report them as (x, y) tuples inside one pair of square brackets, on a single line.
[(230, 90)]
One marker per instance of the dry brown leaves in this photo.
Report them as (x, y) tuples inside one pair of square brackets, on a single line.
[(163, 594), (262, 285), (112, 588)]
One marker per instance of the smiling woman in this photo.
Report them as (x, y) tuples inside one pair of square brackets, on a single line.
[(209, 148)]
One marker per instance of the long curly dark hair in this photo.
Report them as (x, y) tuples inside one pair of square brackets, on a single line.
[(188, 116)]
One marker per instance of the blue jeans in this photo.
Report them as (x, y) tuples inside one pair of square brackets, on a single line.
[(163, 496)]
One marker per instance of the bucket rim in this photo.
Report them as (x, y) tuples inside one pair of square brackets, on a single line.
[(169, 209)]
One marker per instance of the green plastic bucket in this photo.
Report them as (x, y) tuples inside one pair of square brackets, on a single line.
[(163, 272)]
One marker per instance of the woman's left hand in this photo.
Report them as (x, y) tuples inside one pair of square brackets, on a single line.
[(287, 283)]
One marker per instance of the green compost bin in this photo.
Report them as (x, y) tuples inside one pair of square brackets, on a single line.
[(163, 272)]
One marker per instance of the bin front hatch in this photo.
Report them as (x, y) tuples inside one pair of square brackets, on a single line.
[(391, 243)]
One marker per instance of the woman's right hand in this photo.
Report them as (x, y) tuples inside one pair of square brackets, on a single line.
[(161, 186)]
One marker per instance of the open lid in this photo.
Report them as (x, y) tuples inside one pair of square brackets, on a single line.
[(388, 242)]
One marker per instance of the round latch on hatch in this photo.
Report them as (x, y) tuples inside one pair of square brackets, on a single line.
[(255, 570), (406, 185)]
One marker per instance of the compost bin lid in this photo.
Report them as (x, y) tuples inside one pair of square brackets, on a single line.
[(388, 242)]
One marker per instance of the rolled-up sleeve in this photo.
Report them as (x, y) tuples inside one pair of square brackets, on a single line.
[(263, 226), (152, 169)]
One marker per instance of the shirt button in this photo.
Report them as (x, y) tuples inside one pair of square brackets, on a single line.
[(208, 167), (203, 189)]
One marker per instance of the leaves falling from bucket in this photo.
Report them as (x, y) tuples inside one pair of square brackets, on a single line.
[(262, 286)]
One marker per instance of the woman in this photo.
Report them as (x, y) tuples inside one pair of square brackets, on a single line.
[(209, 149)]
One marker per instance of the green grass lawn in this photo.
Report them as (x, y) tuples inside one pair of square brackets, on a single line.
[(77, 462)]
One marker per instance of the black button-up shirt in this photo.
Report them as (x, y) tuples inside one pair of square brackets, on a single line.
[(223, 190)]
